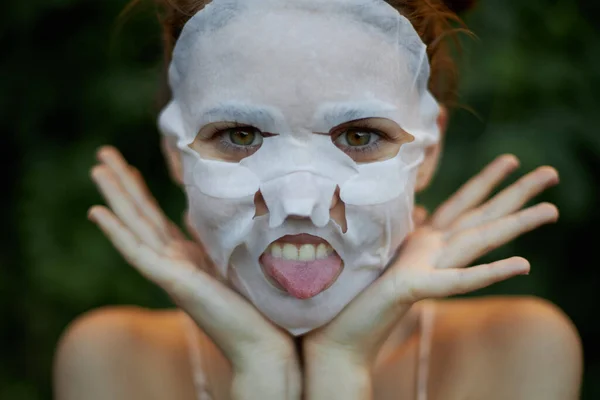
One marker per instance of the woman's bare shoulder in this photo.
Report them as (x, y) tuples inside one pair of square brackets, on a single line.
[(511, 347), (122, 352)]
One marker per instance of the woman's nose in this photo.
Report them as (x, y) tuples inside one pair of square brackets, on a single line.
[(335, 199), (337, 210), (260, 205)]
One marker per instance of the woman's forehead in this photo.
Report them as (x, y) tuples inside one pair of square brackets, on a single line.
[(295, 32), (295, 60), (276, 23)]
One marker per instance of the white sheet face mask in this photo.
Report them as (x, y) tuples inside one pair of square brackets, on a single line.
[(296, 70)]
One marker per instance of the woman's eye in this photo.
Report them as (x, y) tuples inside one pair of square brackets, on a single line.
[(230, 142), (246, 137), (355, 138), (370, 139)]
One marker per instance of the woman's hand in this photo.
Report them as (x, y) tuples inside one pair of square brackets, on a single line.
[(429, 265), (263, 357)]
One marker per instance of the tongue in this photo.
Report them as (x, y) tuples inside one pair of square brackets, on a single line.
[(303, 279)]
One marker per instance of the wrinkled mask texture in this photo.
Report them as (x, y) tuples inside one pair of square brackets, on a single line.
[(297, 69)]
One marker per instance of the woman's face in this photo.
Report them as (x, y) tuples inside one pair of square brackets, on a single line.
[(298, 177)]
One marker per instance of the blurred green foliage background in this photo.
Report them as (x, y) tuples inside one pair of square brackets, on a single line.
[(71, 80)]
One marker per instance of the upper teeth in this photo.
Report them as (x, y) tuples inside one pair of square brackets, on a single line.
[(305, 252)]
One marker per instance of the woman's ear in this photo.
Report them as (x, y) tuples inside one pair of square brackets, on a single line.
[(432, 154), (173, 159)]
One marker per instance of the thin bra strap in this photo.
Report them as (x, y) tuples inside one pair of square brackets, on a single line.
[(195, 353), (426, 321)]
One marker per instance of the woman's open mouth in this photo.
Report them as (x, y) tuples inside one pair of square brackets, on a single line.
[(302, 265)]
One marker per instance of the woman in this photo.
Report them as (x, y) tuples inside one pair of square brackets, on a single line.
[(301, 131)]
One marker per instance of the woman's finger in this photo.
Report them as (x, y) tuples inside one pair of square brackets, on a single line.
[(133, 183), (465, 247), (171, 275), (152, 210), (122, 205), (510, 199), (474, 191), (124, 240), (453, 281)]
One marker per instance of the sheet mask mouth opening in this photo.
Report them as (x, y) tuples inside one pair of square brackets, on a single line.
[(301, 265)]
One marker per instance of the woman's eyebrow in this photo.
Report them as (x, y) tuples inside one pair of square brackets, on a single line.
[(242, 113), (338, 113)]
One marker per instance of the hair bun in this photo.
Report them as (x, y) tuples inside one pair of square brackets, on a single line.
[(459, 6)]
